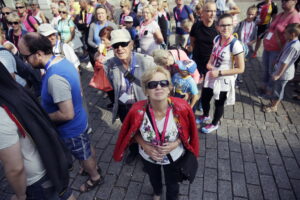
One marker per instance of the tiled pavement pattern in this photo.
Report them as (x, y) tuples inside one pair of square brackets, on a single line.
[(252, 156)]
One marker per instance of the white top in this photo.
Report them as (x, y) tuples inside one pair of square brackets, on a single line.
[(9, 136), (146, 36), (38, 17), (68, 53), (54, 21), (246, 32), (171, 135)]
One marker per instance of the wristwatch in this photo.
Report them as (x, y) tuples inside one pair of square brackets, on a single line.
[(220, 73)]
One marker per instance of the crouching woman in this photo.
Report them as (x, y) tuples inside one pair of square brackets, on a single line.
[(164, 127)]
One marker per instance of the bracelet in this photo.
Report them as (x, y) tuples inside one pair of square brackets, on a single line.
[(220, 73)]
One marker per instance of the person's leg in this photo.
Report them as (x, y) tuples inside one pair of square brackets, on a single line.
[(219, 108), (177, 39), (207, 94), (172, 184), (154, 173), (272, 59), (266, 61), (184, 40)]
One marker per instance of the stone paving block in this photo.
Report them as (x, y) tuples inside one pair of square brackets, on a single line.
[(87, 195), (263, 164), (281, 177), (292, 167), (201, 163), (234, 140), (224, 172), (239, 185), (147, 188), (196, 189), (254, 192), (268, 138), (258, 145), (146, 197), (210, 180), (286, 194), (138, 174), (228, 112), (133, 191), (274, 155), (236, 162), (211, 141), (270, 117), (184, 189), (244, 135), (284, 148), (278, 135), (224, 190), (269, 187), (181, 197), (294, 117), (105, 190), (296, 186), (210, 196), (247, 152), (222, 133), (125, 176), (211, 158), (107, 154), (202, 145), (238, 115), (114, 168), (251, 173), (223, 149)]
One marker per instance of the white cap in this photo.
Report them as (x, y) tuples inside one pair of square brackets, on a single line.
[(128, 19), (46, 29), (119, 35)]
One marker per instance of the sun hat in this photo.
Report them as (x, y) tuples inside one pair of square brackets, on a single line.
[(46, 29), (119, 35)]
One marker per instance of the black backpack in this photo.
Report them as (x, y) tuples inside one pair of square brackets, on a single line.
[(25, 71), (29, 22)]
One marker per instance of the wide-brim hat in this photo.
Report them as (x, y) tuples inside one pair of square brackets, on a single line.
[(46, 29), (119, 35)]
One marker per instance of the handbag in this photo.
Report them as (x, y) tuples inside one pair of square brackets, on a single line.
[(100, 80)]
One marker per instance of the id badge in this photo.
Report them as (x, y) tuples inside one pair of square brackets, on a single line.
[(269, 36), (178, 24), (124, 98)]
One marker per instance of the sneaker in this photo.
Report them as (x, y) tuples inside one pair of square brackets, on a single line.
[(202, 119), (209, 128)]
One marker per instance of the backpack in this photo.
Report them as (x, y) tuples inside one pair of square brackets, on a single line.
[(25, 71), (29, 22), (179, 47), (245, 47)]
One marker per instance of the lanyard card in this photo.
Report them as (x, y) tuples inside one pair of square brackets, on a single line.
[(269, 36), (124, 97)]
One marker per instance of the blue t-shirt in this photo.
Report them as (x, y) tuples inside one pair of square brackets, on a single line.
[(179, 16), (184, 85)]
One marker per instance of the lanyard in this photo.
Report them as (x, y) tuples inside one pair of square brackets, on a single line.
[(287, 46), (217, 53), (245, 31), (159, 139), (132, 69), (177, 17), (49, 62), (144, 28)]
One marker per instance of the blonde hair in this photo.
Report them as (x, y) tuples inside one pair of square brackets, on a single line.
[(149, 74), (253, 7), (13, 17), (293, 28), (161, 57), (125, 3), (21, 2), (186, 24), (151, 9)]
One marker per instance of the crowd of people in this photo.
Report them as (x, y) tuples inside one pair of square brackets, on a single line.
[(155, 87)]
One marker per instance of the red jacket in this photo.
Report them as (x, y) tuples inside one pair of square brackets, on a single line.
[(183, 116)]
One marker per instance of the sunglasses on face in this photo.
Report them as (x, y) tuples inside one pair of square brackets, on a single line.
[(5, 13), (20, 7), (62, 12), (122, 44), (11, 23), (225, 25), (154, 84)]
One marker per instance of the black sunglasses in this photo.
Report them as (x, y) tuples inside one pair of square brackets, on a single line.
[(154, 84), (62, 12), (11, 23), (20, 7), (5, 13), (122, 44)]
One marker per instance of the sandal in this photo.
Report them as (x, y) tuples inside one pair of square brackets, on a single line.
[(90, 184), (270, 109), (84, 173)]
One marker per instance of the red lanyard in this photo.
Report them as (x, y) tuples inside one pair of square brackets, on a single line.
[(217, 53), (144, 28), (177, 18), (159, 139), (245, 31)]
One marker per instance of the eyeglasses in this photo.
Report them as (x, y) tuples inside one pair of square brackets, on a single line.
[(122, 44), (20, 7), (62, 12), (27, 56), (11, 23), (154, 84), (5, 13), (225, 25)]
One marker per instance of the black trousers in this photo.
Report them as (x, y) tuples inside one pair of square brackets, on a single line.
[(207, 94), (122, 112), (155, 176)]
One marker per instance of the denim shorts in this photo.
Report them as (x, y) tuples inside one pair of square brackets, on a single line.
[(278, 87), (44, 190), (80, 146)]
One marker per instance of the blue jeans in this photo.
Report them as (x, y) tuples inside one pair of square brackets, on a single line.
[(269, 59), (278, 89)]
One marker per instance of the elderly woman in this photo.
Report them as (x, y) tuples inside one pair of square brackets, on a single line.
[(102, 20), (274, 40), (16, 31), (150, 36), (163, 127), (56, 16), (28, 21), (126, 10), (37, 13), (226, 60)]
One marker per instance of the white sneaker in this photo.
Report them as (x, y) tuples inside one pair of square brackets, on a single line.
[(209, 128), (202, 119)]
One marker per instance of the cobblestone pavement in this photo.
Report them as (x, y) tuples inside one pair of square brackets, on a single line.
[(252, 156)]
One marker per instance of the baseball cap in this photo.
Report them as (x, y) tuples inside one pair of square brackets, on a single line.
[(120, 35), (187, 65), (128, 19), (46, 29)]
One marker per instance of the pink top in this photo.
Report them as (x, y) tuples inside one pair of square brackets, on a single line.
[(277, 28), (182, 56), (26, 24)]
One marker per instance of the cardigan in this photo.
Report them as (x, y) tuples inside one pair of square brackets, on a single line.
[(183, 116)]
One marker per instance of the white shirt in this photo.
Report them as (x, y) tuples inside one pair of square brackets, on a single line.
[(146, 36), (246, 32), (68, 53)]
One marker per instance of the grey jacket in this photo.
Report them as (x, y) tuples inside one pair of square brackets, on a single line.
[(112, 68), (239, 27)]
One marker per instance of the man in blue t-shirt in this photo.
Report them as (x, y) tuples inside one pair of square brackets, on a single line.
[(61, 98), (182, 12)]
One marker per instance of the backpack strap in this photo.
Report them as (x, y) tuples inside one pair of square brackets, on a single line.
[(232, 44), (61, 49), (29, 22)]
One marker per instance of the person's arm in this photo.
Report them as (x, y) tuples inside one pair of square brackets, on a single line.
[(64, 113), (12, 160), (33, 22), (72, 30), (191, 16), (234, 9), (158, 37), (91, 36), (167, 147), (210, 63), (194, 100), (280, 72), (42, 15)]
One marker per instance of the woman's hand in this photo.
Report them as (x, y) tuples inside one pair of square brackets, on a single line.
[(209, 66), (213, 74), (153, 152), (168, 147)]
